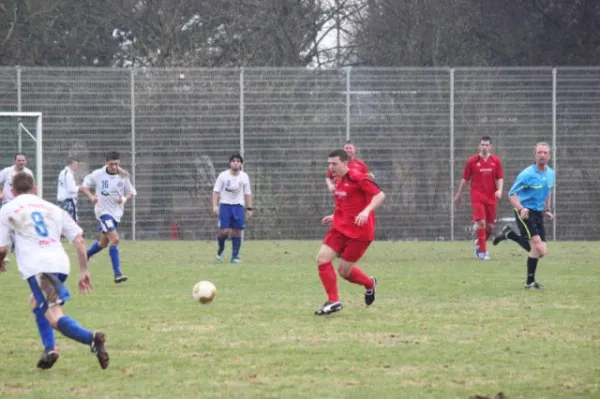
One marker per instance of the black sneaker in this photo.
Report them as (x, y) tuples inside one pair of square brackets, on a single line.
[(49, 357), (120, 278), (370, 294), (329, 308), (97, 347), (503, 235), (534, 285)]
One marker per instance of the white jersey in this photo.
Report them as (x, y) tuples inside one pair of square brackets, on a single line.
[(109, 188), (67, 186), (232, 188), (6, 177), (36, 225)]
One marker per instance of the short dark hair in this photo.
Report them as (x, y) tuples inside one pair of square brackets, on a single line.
[(485, 138), (72, 159), (22, 183), (339, 153), (348, 142), (20, 153), (237, 156), (112, 156)]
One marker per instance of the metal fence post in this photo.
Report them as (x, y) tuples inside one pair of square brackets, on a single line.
[(348, 69), (554, 149), (242, 111), (133, 203), (451, 154), (19, 109)]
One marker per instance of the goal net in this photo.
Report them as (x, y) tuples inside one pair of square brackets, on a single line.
[(22, 132)]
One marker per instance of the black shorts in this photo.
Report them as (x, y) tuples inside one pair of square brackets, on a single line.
[(532, 226), (69, 206)]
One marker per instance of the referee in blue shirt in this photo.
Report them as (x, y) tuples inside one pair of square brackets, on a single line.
[(531, 200)]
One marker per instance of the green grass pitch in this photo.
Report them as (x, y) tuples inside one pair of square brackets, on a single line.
[(444, 325)]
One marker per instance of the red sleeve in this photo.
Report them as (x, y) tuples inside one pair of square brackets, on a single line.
[(499, 171), (363, 166), (468, 170), (367, 184)]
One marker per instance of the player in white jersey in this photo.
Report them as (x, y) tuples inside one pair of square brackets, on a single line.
[(113, 188), (6, 176), (67, 189), (230, 194), (35, 227)]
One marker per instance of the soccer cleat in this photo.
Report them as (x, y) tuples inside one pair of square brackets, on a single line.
[(370, 294), (503, 235), (484, 256), (120, 278), (329, 308), (236, 260), (49, 357), (534, 285), (219, 256), (97, 347)]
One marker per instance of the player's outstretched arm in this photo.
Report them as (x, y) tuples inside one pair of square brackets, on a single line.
[(215, 202), (85, 282), (376, 201), (459, 192), (89, 194), (330, 184)]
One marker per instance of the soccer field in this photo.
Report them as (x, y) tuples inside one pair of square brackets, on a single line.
[(444, 325)]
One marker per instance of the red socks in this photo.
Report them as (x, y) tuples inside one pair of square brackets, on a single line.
[(329, 280), (358, 277), (481, 239)]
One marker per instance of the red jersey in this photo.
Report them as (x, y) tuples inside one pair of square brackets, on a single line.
[(483, 175), (353, 192), (354, 163)]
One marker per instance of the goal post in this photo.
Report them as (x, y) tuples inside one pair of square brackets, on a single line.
[(26, 129)]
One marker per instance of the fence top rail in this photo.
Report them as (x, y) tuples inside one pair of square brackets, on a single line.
[(17, 114), (300, 68)]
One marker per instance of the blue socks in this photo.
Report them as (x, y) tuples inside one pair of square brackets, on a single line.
[(71, 329), (221, 241), (94, 249), (45, 329), (113, 251), (236, 242)]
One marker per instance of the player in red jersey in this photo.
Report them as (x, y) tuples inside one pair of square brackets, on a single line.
[(353, 229), (353, 163), (487, 179)]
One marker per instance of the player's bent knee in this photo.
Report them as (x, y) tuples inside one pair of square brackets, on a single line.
[(236, 233), (542, 250), (345, 268)]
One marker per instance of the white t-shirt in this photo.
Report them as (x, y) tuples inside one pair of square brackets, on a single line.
[(67, 186), (36, 226), (6, 178), (109, 188), (232, 188)]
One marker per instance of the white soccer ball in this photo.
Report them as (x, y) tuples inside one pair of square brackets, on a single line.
[(204, 292)]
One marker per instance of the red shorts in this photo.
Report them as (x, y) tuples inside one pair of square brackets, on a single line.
[(483, 210), (349, 249)]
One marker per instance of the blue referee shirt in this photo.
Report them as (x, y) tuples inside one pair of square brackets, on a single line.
[(532, 187)]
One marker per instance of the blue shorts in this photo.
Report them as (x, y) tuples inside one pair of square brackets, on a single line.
[(48, 289), (107, 223), (232, 217), (69, 206)]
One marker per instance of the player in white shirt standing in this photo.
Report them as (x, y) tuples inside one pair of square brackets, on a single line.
[(6, 176), (36, 227), (67, 189), (113, 189), (230, 194)]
